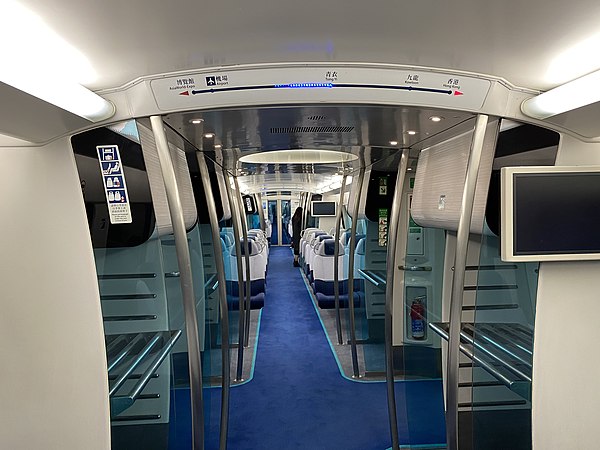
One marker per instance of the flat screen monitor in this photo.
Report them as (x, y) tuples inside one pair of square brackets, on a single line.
[(550, 213), (323, 209)]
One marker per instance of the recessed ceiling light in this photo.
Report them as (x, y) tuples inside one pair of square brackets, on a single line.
[(393, 142), (209, 135), (299, 156), (436, 118), (218, 145), (196, 121), (411, 132)]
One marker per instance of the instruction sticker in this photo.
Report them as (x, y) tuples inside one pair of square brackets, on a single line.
[(383, 227), (383, 186), (115, 188)]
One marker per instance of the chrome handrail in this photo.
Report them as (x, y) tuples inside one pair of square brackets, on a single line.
[(248, 280), (336, 264), (352, 249), (458, 279), (415, 268), (238, 259), (389, 296), (220, 266), (184, 263)]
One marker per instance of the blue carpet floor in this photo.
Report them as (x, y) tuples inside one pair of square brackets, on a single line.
[(298, 399)]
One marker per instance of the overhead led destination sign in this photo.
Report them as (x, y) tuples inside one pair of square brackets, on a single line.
[(333, 84)]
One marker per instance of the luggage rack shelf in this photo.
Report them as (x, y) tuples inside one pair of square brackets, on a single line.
[(127, 352), (505, 350), (376, 277)]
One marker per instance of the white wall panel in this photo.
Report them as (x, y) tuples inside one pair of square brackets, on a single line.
[(566, 367), (53, 383)]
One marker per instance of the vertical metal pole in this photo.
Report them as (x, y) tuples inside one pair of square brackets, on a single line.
[(225, 369), (305, 211), (279, 219), (354, 352), (301, 205), (458, 280), (185, 278), (261, 211), (238, 258), (389, 297), (336, 264), (246, 258)]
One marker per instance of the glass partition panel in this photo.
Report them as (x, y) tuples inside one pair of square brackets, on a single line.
[(417, 350), (499, 333), (180, 435), (370, 266), (142, 311), (215, 332)]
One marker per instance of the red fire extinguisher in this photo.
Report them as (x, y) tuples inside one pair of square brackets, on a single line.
[(417, 317)]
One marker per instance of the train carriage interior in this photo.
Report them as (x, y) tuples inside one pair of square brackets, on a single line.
[(340, 225)]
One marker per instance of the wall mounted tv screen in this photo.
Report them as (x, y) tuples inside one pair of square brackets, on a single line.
[(550, 213), (323, 209)]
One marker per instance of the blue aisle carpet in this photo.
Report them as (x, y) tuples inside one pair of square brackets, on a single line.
[(298, 399)]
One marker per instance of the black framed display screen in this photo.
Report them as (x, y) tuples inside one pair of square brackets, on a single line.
[(556, 213), (323, 209)]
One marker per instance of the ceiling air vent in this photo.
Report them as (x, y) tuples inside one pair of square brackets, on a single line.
[(329, 129), (317, 117)]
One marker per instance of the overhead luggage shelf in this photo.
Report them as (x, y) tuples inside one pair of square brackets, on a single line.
[(376, 277), (505, 350), (126, 353)]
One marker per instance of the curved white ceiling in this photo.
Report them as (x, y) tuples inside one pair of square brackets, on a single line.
[(512, 39)]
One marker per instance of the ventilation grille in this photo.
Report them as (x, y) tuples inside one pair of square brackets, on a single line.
[(317, 117), (330, 129)]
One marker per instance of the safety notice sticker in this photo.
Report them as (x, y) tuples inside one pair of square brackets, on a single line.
[(115, 188)]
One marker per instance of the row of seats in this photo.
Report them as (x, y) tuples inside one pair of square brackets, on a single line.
[(258, 252), (317, 258)]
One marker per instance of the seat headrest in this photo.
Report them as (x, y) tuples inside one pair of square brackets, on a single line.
[(252, 246), (307, 231), (256, 232), (227, 239), (360, 246), (345, 237), (320, 238), (326, 247)]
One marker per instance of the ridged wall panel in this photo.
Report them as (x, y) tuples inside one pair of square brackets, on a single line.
[(440, 179)]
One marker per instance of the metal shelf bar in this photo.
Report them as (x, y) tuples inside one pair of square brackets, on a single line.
[(138, 359), (124, 352)]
